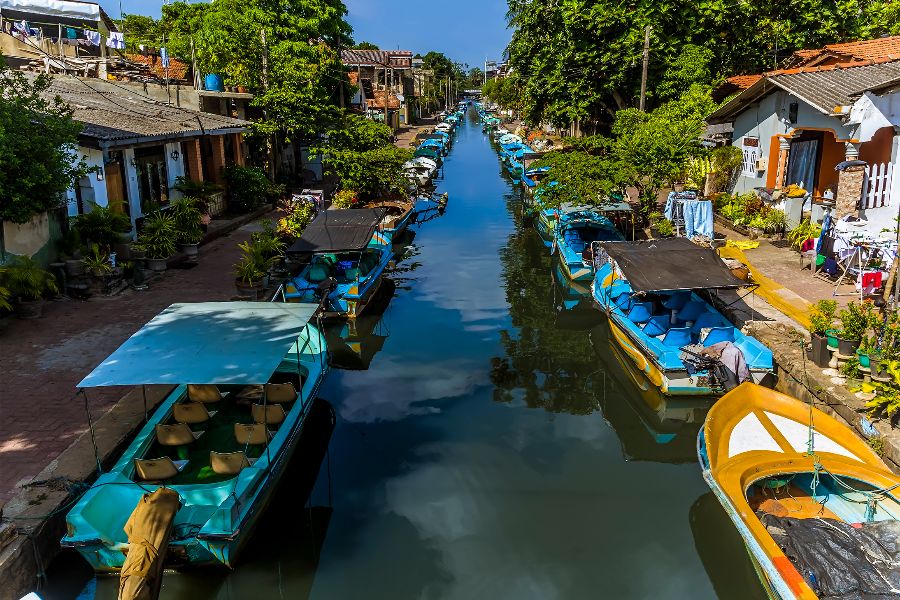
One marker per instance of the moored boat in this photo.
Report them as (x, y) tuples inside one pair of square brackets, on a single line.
[(575, 234), (648, 290), (815, 506), (245, 375), (398, 212), (348, 256)]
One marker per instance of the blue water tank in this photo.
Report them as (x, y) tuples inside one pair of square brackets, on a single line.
[(214, 83)]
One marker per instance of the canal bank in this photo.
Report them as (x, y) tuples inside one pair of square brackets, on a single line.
[(496, 445)]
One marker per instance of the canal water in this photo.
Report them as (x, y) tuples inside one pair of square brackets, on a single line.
[(489, 443)]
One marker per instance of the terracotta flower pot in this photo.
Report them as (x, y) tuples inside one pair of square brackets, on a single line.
[(251, 290)]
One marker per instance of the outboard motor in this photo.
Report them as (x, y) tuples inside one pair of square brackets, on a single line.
[(324, 289)]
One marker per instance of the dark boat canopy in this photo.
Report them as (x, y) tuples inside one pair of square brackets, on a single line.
[(670, 264), (339, 230)]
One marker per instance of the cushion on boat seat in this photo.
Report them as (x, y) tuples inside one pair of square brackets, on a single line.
[(317, 273), (351, 274), (279, 393), (677, 337), (719, 334), (622, 300), (270, 414), (677, 300), (158, 469), (704, 321), (640, 312), (204, 393), (228, 463), (657, 325), (253, 434), (178, 434), (691, 311), (191, 413)]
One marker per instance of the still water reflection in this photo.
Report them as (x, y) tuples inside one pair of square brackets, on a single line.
[(489, 443)]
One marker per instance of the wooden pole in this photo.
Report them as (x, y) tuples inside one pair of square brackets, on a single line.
[(646, 65), (385, 96)]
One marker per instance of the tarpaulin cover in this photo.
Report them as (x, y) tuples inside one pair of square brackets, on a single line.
[(148, 528), (670, 264), (838, 560), (208, 342), (338, 230), (54, 8)]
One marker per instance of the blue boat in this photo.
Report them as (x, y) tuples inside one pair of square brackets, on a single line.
[(349, 253), (245, 375), (431, 152), (531, 178), (648, 290), (576, 231)]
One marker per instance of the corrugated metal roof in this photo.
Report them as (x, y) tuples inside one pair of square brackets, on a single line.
[(115, 117), (829, 88)]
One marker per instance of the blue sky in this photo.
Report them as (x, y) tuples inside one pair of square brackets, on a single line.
[(467, 31)]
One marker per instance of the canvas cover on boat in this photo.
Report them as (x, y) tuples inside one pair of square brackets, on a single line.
[(339, 230), (670, 264), (207, 342), (839, 560)]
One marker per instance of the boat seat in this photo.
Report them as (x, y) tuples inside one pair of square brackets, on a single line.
[(280, 393), (317, 273), (677, 337), (657, 325), (270, 414), (179, 434), (623, 300), (228, 463), (705, 321), (205, 393), (719, 334), (253, 434), (677, 300), (191, 413), (640, 312), (158, 469), (351, 274), (691, 311)]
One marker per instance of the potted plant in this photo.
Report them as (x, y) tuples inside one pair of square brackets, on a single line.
[(867, 348), (820, 320), (855, 320), (27, 284), (69, 247), (188, 226), (249, 271), (665, 228), (345, 199), (102, 225), (97, 262), (757, 226), (157, 238)]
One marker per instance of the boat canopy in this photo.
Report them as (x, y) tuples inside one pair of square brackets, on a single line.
[(337, 230), (206, 342), (670, 264)]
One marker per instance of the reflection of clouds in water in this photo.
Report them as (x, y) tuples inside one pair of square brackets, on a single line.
[(398, 387), (526, 516), (469, 278)]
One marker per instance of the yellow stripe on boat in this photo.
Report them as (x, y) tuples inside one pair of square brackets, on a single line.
[(643, 363)]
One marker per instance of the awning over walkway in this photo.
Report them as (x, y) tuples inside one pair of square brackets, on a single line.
[(339, 230), (670, 264), (209, 342)]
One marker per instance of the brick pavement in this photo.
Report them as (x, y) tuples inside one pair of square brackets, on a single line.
[(42, 361)]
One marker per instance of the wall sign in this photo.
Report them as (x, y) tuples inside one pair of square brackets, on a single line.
[(750, 150)]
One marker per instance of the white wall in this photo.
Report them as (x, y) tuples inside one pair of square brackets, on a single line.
[(174, 168), (131, 183), (92, 188)]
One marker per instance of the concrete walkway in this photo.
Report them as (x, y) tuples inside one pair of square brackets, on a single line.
[(43, 360)]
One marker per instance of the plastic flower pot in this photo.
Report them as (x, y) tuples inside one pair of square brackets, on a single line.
[(847, 347), (832, 337), (820, 354), (864, 360), (158, 264)]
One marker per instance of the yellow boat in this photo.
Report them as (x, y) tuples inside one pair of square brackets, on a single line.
[(810, 499)]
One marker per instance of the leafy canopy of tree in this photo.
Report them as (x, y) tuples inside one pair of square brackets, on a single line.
[(579, 177), (360, 152), (38, 138), (581, 59), (365, 46), (506, 92)]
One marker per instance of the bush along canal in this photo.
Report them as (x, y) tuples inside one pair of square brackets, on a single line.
[(488, 442)]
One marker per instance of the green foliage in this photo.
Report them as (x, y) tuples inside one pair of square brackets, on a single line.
[(887, 403), (578, 178), (665, 228), (202, 190), (254, 262), (5, 294), (188, 221), (775, 221), (102, 225), (365, 46), (297, 215), (267, 242), (581, 59), (25, 279), (850, 368), (38, 157), (725, 161), (344, 199), (247, 187), (97, 261), (158, 235), (803, 232), (506, 92), (821, 316), (856, 319)]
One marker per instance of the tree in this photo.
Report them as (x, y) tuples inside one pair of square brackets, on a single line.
[(578, 178), (139, 29), (38, 139), (365, 46), (363, 157), (580, 60), (474, 79)]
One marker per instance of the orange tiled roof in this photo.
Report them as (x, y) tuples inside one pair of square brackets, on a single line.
[(877, 49), (743, 81), (177, 69), (831, 67)]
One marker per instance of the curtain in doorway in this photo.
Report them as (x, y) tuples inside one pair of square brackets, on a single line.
[(802, 164)]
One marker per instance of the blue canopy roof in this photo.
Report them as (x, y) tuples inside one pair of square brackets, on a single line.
[(209, 342)]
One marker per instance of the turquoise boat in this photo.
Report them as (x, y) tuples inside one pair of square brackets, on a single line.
[(648, 291), (349, 252), (242, 377), (575, 233)]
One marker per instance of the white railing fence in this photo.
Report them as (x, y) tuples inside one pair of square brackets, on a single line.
[(877, 189)]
